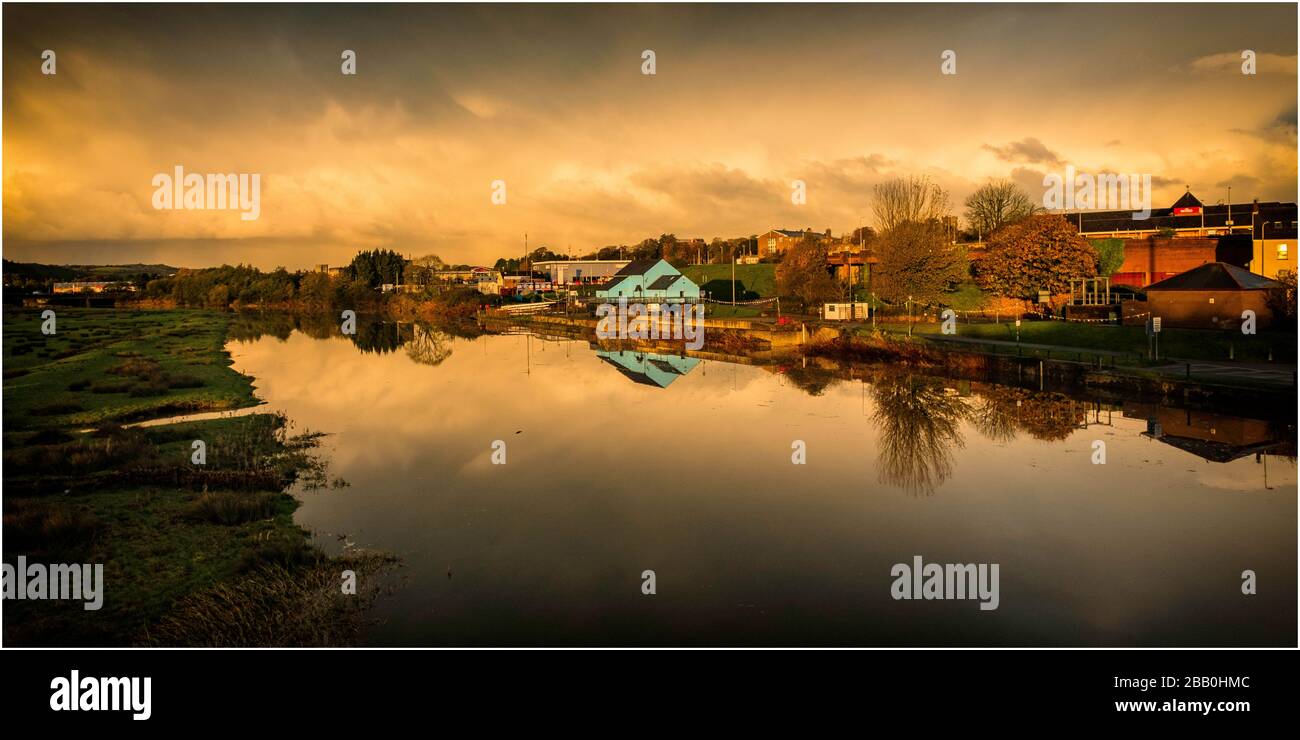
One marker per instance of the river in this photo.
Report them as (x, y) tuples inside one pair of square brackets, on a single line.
[(618, 463)]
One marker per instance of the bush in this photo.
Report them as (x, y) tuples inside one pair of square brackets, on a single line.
[(107, 386), (57, 408), (225, 507), (58, 532)]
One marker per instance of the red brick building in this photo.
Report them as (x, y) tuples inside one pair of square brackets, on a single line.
[(1149, 259), (1212, 296), (776, 241)]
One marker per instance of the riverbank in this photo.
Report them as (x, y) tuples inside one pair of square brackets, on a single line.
[(193, 554), (1066, 370)]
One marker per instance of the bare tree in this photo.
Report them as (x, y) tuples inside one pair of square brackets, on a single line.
[(904, 199), (996, 204)]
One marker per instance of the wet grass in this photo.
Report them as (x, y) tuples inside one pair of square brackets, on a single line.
[(174, 537), (116, 365)]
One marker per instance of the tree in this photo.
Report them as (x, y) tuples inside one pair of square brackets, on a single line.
[(1043, 252), (902, 199), (316, 290), (1110, 255), (996, 204), (864, 235), (1281, 300), (805, 274), (430, 261), (916, 260), (376, 266)]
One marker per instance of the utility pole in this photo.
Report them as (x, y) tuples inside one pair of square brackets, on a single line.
[(1230, 209), (733, 276)]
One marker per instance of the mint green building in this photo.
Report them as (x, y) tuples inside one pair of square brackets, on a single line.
[(650, 281)]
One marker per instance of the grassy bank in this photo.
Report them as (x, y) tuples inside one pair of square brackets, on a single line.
[(752, 281), (1190, 344), (104, 365), (177, 540)]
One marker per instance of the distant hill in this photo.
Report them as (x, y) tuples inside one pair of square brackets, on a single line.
[(67, 273)]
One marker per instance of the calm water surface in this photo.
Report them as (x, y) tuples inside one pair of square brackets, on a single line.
[(622, 462)]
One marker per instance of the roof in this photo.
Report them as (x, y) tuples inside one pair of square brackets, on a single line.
[(1214, 276), (663, 282), (1187, 201), (1213, 217), (636, 267), (611, 283)]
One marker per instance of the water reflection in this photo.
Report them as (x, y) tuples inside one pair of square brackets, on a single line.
[(1216, 437), (648, 368), (698, 484), (424, 342), (920, 428)]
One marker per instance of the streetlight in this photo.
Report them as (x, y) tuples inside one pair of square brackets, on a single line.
[(1229, 210)]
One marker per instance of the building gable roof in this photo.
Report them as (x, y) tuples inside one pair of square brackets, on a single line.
[(637, 267), (663, 282), (1187, 201), (1214, 276)]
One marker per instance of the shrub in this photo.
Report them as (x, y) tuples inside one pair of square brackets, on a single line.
[(57, 531), (224, 507), (57, 408)]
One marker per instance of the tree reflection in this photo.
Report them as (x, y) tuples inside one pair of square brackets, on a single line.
[(380, 337), (1050, 417), (810, 378), (428, 346), (920, 427)]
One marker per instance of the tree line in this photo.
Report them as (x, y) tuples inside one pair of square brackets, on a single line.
[(922, 258)]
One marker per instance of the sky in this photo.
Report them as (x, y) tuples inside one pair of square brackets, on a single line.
[(551, 100)]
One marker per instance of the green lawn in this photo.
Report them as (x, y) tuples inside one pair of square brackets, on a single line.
[(724, 311), (967, 297), (1191, 344), (752, 281)]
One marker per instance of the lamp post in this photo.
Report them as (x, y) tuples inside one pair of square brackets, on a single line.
[(1230, 210), (1263, 247)]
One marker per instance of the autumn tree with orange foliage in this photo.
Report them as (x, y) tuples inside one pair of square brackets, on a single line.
[(804, 273), (1039, 253), (917, 261)]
